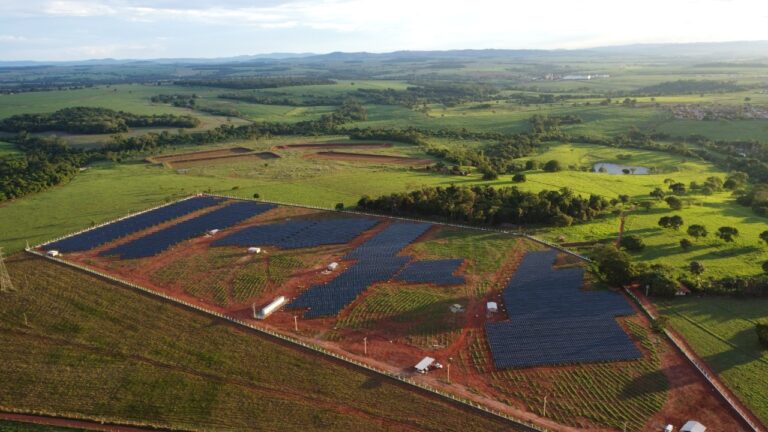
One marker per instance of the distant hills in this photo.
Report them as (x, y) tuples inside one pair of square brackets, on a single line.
[(723, 51)]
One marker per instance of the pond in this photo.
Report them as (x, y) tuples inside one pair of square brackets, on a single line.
[(612, 168)]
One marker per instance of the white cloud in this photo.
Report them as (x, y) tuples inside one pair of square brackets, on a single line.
[(12, 38), (78, 8)]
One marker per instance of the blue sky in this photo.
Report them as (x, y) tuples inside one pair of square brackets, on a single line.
[(80, 29)]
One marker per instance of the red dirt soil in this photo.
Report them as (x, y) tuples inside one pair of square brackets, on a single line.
[(362, 157), (311, 146), (689, 395), (198, 155)]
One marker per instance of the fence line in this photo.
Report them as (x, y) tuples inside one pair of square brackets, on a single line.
[(440, 393), (714, 382)]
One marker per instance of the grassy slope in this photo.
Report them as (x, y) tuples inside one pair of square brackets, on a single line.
[(722, 331), (9, 426), (107, 351)]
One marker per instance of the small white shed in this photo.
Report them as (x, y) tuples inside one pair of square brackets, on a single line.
[(52, 253), (492, 307), (693, 426), (213, 232), (456, 308), (332, 266), (254, 250), (424, 364)]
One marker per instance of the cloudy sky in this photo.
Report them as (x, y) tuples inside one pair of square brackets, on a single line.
[(82, 29)]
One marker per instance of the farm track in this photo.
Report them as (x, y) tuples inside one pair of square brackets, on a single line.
[(331, 145), (365, 157)]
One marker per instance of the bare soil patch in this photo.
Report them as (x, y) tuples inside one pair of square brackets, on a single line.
[(187, 160), (372, 158), (312, 146)]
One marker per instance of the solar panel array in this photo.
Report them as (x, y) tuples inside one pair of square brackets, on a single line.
[(552, 321), (111, 232), (377, 261), (154, 243), (297, 234), (438, 272)]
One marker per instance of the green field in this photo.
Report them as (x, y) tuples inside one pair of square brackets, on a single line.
[(110, 353), (722, 331)]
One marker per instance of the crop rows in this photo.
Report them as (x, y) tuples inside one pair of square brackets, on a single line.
[(601, 393)]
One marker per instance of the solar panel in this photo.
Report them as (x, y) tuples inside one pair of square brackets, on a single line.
[(154, 243), (438, 272), (553, 321), (297, 234), (377, 261), (113, 231)]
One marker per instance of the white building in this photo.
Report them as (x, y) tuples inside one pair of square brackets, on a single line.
[(52, 253), (693, 426), (424, 364), (332, 266), (254, 250), (270, 308), (492, 307)]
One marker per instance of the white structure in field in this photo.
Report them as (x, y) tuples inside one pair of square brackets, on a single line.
[(52, 253), (456, 308), (693, 426), (332, 266), (270, 308), (492, 307), (254, 250), (424, 364), (213, 232)]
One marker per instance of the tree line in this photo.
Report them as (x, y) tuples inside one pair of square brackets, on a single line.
[(489, 206), (87, 120)]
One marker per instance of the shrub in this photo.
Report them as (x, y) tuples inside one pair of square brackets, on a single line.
[(552, 166), (727, 234), (660, 281), (696, 267), (339, 206), (674, 202), (519, 178), (686, 244), (632, 243)]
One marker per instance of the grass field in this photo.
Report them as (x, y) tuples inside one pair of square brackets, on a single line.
[(722, 331), (111, 353), (10, 426), (107, 190)]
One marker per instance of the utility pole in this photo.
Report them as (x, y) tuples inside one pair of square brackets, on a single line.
[(545, 407), (5, 279), (296, 323), (365, 345), (253, 306), (448, 368)]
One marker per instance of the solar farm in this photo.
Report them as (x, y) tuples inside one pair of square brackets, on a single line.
[(393, 291)]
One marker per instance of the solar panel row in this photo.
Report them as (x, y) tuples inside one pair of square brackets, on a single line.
[(553, 321), (438, 272), (154, 243), (376, 262), (297, 234), (111, 232)]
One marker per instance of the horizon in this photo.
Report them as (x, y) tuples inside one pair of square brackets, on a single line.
[(77, 30)]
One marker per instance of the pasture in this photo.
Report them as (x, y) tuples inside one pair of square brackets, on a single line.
[(722, 331)]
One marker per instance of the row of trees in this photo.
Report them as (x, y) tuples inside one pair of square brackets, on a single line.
[(488, 205), (89, 120), (254, 82)]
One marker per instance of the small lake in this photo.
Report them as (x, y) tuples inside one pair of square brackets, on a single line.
[(612, 168)]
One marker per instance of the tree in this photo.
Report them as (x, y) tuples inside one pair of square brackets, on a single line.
[(256, 196), (677, 188), (765, 266), (685, 244), (340, 206), (762, 333), (727, 234), (632, 243), (489, 173), (552, 166), (647, 205), (764, 236), (674, 202), (531, 165), (518, 178), (658, 193), (674, 222), (697, 231), (696, 268), (660, 282), (613, 265)]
